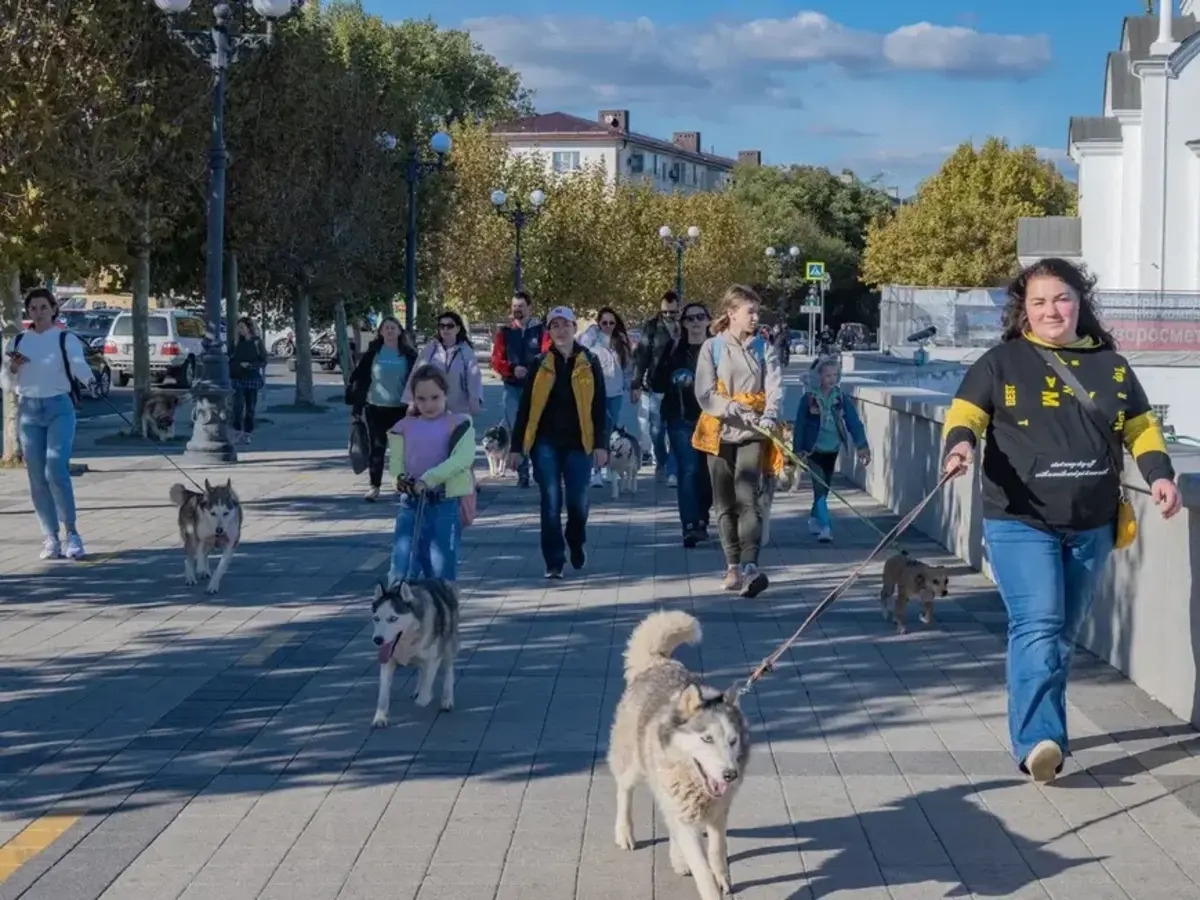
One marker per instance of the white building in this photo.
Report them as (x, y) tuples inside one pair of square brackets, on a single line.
[(1139, 164), (569, 143)]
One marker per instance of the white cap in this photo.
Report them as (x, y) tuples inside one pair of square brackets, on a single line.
[(560, 312)]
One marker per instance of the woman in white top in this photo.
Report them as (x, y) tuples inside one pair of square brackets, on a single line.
[(43, 366), (452, 353), (609, 342)]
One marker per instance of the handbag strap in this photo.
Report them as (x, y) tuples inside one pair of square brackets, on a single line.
[(1095, 415)]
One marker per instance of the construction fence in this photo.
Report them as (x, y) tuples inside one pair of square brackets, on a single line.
[(973, 317)]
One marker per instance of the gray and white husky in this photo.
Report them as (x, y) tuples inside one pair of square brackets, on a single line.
[(208, 521), (624, 460), (689, 742), (416, 622)]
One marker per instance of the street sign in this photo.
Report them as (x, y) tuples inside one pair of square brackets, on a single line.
[(814, 271)]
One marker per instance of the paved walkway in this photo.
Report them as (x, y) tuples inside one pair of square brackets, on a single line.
[(158, 743)]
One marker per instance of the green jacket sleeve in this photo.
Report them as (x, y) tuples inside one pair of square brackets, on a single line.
[(461, 458), (395, 454)]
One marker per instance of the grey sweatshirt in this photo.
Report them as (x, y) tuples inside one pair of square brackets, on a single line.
[(740, 372)]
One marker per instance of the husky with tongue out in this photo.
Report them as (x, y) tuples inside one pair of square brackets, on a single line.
[(689, 742), (415, 623)]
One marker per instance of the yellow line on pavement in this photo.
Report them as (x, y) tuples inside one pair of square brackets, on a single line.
[(39, 835)]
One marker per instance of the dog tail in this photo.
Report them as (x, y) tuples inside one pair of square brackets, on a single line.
[(655, 639), (178, 494)]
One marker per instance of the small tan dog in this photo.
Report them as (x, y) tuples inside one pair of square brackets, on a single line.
[(909, 578)]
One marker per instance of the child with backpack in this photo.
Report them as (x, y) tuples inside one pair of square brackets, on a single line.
[(826, 421), (432, 458)]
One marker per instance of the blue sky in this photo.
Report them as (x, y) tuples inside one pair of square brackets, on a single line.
[(885, 87)]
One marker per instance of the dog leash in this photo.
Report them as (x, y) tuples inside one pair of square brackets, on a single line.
[(769, 661), (797, 461), (133, 430)]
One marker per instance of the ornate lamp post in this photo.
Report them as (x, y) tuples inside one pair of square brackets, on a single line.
[(220, 45), (787, 263), (679, 245), (519, 215), (417, 168)]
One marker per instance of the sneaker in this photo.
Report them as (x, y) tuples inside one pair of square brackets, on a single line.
[(578, 558), (691, 538), (1044, 762), (74, 548), (814, 526), (246, 438), (825, 535), (522, 481), (597, 479), (755, 581), (733, 579), (371, 495), (51, 549), (672, 481), (554, 572)]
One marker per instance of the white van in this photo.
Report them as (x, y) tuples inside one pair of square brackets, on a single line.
[(176, 344)]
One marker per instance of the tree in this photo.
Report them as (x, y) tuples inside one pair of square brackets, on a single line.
[(961, 229)]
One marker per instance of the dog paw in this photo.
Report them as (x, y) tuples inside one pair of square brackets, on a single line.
[(723, 884), (191, 580), (624, 837), (926, 620), (213, 587), (422, 700), (380, 720), (901, 628), (446, 706), (679, 867)]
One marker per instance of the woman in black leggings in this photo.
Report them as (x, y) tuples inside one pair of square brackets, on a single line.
[(738, 385), (376, 392)]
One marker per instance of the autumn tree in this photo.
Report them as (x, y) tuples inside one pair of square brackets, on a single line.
[(961, 229)]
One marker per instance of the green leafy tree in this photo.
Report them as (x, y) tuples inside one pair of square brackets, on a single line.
[(961, 229)]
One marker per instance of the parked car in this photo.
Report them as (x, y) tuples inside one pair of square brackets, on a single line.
[(92, 326), (176, 344)]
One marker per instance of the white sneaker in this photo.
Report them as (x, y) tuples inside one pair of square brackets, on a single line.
[(1043, 761), (672, 481), (371, 495), (51, 549), (814, 527), (825, 535), (74, 548), (597, 479)]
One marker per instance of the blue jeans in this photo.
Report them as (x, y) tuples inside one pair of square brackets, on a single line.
[(561, 475), (47, 429), (437, 548), (822, 464), (613, 406), (694, 491), (1047, 583), (512, 403), (651, 425)]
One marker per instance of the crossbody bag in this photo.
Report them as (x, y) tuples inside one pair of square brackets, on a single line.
[(1126, 531)]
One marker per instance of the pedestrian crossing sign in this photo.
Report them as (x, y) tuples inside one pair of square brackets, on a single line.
[(814, 271)]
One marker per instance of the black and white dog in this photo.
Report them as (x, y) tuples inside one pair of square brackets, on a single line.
[(624, 460), (495, 447)]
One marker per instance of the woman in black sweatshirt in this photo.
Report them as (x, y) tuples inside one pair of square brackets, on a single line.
[(675, 378), (1052, 483)]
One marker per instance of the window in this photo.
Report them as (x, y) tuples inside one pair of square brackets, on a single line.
[(156, 326), (637, 163), (566, 160), (189, 327)]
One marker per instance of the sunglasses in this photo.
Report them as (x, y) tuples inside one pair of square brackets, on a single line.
[(447, 326), (608, 323), (696, 317)]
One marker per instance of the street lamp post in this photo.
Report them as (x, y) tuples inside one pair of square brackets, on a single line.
[(519, 215), (679, 245), (417, 168), (220, 45), (787, 263)]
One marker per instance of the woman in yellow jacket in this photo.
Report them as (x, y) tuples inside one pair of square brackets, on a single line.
[(434, 451)]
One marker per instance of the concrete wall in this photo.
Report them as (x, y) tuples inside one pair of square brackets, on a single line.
[(1146, 618)]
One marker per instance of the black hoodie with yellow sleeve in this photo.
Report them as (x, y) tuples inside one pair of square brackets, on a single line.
[(1045, 462)]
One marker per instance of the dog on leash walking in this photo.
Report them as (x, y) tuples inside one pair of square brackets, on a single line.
[(495, 447), (208, 521), (158, 417), (415, 623), (624, 460), (689, 742), (909, 578)]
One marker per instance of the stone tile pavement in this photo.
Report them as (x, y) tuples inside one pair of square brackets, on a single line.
[(219, 747)]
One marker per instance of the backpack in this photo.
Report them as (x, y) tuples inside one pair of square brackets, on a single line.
[(757, 346), (76, 389)]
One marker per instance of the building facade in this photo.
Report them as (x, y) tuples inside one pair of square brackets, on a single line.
[(1138, 228), (570, 143)]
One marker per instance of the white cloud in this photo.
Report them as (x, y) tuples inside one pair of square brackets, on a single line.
[(754, 62)]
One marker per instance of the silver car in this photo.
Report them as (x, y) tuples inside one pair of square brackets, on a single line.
[(176, 344)]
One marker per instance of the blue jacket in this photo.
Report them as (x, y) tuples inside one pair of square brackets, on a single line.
[(808, 423)]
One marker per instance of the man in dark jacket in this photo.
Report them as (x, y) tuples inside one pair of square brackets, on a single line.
[(561, 426), (658, 334), (517, 345)]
